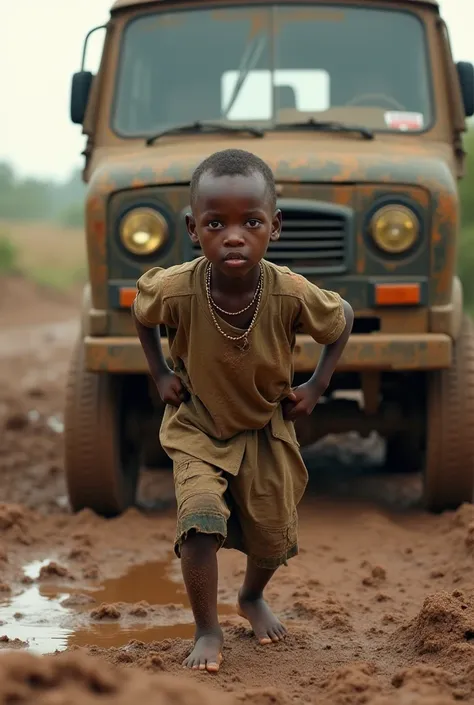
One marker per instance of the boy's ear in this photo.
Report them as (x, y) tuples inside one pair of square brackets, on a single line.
[(276, 225), (191, 227)]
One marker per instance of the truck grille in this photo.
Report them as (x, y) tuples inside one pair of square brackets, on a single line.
[(315, 238)]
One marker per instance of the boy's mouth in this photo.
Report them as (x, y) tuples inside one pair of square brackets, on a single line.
[(234, 259)]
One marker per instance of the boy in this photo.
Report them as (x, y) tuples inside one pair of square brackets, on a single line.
[(228, 425)]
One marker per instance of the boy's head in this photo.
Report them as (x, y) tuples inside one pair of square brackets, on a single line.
[(234, 214)]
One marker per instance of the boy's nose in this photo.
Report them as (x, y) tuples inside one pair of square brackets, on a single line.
[(234, 238)]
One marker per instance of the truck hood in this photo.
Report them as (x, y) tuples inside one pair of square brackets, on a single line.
[(293, 157)]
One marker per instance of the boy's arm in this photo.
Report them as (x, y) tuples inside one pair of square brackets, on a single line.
[(169, 386), (304, 398), (331, 353)]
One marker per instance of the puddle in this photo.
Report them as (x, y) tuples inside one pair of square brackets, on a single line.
[(39, 625), (38, 617)]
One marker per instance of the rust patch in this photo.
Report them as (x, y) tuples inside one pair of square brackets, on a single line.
[(363, 352), (334, 165)]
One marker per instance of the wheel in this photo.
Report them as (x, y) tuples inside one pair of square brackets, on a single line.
[(449, 463), (101, 459)]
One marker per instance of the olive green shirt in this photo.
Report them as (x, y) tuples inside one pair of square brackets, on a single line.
[(232, 392)]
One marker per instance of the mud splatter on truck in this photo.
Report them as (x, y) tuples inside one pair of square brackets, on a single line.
[(362, 126)]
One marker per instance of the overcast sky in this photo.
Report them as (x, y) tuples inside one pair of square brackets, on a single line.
[(40, 47)]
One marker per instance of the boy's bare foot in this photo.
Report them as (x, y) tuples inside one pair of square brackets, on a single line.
[(207, 652), (267, 628)]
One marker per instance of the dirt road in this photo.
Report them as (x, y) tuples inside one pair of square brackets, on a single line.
[(379, 605)]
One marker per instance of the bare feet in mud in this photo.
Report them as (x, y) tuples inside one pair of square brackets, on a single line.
[(207, 652), (267, 628)]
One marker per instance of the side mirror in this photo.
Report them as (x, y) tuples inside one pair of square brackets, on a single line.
[(466, 80), (80, 89)]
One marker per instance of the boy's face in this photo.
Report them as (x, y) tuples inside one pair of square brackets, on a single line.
[(233, 220)]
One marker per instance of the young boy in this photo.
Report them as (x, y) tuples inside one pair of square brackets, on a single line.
[(231, 318)]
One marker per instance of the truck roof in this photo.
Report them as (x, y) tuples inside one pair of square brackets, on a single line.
[(119, 4)]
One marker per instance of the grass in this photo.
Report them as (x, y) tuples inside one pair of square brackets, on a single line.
[(48, 254), (466, 266)]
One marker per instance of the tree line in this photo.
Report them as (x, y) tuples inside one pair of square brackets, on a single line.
[(46, 200), (466, 244)]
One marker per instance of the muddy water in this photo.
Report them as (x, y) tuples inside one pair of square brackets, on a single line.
[(147, 604)]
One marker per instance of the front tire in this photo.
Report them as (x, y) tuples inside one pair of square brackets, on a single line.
[(102, 460), (449, 464)]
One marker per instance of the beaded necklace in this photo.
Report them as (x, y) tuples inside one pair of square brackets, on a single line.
[(256, 297)]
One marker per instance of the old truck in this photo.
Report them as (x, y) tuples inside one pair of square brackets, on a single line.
[(359, 108)]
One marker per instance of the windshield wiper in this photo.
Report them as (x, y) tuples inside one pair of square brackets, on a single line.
[(328, 125), (202, 126), (249, 60)]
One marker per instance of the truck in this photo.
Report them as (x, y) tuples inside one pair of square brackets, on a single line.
[(359, 108)]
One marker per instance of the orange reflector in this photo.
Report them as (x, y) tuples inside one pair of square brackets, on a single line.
[(127, 297), (397, 294)]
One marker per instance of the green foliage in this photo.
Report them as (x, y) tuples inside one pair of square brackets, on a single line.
[(39, 199), (466, 241), (8, 256), (72, 216), (466, 186)]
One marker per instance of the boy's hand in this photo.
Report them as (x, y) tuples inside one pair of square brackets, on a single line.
[(171, 390), (302, 400)]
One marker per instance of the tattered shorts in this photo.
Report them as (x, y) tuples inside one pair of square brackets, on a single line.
[(253, 511)]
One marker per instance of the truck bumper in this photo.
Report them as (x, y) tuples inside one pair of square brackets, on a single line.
[(429, 351)]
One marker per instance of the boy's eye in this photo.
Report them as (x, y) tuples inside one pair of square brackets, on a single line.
[(215, 224), (253, 222)]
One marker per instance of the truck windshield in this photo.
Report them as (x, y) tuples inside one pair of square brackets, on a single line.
[(273, 65)]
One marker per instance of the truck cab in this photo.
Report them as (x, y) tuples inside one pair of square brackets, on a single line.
[(359, 109)]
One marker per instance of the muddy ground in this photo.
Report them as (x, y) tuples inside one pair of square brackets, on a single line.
[(379, 604)]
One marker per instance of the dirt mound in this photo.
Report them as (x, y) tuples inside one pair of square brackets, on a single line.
[(328, 612), (115, 591), (263, 696), (445, 620), (355, 684), (462, 517), (77, 679)]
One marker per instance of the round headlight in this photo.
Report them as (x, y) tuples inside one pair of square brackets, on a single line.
[(143, 231), (394, 228)]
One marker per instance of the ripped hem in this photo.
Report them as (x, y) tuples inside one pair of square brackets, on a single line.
[(212, 524), (273, 562)]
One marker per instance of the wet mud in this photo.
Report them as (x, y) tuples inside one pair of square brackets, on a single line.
[(379, 604), (144, 603)]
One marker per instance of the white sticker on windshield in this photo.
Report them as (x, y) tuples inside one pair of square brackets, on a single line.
[(404, 121)]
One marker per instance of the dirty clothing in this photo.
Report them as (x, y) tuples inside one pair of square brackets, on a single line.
[(237, 468)]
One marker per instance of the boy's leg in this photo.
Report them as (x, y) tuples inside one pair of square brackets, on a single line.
[(267, 490), (201, 529), (199, 566), (252, 606)]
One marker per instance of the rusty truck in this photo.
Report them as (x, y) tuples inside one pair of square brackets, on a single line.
[(359, 108)]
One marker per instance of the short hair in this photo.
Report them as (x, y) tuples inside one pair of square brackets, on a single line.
[(233, 162)]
